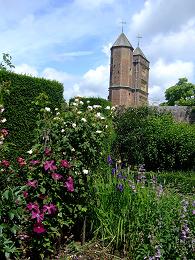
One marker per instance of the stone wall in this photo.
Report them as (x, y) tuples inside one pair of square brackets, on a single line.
[(180, 113)]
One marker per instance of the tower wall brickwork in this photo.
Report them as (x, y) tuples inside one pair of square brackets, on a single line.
[(129, 74)]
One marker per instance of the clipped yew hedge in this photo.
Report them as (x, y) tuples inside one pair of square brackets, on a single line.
[(20, 111)]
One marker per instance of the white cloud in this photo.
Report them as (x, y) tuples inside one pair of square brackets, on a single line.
[(53, 74), (26, 69), (165, 74), (162, 16)]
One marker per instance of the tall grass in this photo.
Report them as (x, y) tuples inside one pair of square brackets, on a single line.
[(141, 219)]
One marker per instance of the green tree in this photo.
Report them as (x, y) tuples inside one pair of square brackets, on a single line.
[(6, 64), (181, 94)]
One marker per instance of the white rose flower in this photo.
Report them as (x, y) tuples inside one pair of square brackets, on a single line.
[(90, 107), (62, 131), (83, 119), (74, 125), (98, 114), (3, 120), (88, 101), (102, 117), (30, 151), (98, 132), (56, 109), (85, 171), (81, 102), (1, 142), (73, 150), (79, 112), (48, 109), (76, 100), (57, 113), (75, 104), (108, 107), (2, 109)]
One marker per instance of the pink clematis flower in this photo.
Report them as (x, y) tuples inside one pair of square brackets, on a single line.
[(47, 151), (21, 161), (65, 164), (39, 228), (69, 184), (34, 162), (33, 206), (38, 215), (25, 194), (51, 208), (4, 132), (56, 176), (50, 165), (5, 163), (32, 183)]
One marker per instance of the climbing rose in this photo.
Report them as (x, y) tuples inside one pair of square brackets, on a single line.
[(65, 164), (39, 228), (49, 165), (69, 184)]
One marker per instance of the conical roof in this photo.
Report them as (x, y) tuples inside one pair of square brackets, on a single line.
[(122, 41), (138, 51)]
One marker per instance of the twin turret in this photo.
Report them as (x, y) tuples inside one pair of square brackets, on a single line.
[(129, 73)]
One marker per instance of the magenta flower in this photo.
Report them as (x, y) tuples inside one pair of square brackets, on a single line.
[(34, 162), (50, 165), (38, 215), (69, 184), (25, 194), (32, 206), (51, 208), (47, 151), (32, 183), (65, 164), (21, 161), (5, 163), (4, 132), (56, 176), (39, 228)]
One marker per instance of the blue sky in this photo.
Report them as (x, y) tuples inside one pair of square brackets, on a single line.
[(70, 40)]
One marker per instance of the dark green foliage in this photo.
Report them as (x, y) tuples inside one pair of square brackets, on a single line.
[(155, 139), (20, 108)]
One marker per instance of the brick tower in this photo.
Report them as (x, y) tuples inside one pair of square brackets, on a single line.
[(128, 74)]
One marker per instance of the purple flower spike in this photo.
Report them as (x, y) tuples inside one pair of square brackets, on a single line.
[(120, 187), (113, 171), (109, 160)]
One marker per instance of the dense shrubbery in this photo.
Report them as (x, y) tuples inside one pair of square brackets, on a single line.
[(155, 139), (20, 110), (53, 180)]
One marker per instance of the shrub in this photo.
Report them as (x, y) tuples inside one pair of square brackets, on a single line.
[(155, 139), (20, 111)]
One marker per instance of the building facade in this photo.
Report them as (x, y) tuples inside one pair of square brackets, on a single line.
[(129, 74)]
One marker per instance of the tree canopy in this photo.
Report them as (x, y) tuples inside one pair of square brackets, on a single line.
[(181, 94)]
